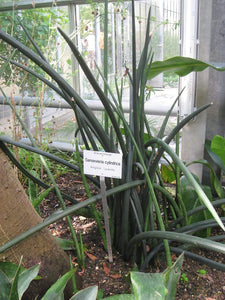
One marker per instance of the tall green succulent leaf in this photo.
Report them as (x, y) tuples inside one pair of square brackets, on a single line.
[(65, 87), (96, 87), (179, 237)]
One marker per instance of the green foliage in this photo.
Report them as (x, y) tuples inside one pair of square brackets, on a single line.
[(191, 201), (56, 290), (218, 147), (35, 198), (216, 152), (15, 280), (145, 285), (30, 161), (184, 277), (168, 174), (85, 294), (182, 66), (202, 272), (41, 23)]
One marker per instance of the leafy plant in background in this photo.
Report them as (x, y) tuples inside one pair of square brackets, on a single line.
[(191, 201), (216, 152), (35, 197), (139, 204), (41, 25), (216, 165), (15, 280)]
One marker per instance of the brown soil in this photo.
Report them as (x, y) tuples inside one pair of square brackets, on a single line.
[(111, 278)]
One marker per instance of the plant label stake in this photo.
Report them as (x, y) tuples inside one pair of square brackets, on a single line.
[(103, 164), (106, 217)]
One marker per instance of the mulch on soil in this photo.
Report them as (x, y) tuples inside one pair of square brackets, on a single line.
[(197, 281)]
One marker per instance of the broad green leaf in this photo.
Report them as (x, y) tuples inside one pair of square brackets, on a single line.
[(89, 293), (56, 290), (121, 297), (9, 269), (191, 201), (148, 285), (218, 147), (25, 279), (202, 196), (172, 275), (216, 159), (5, 286), (217, 185), (14, 284), (213, 178), (181, 66)]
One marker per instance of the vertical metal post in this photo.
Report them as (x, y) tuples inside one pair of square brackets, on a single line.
[(97, 41), (189, 42), (193, 133), (73, 24), (106, 217)]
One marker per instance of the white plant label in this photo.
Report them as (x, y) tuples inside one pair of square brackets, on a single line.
[(104, 164)]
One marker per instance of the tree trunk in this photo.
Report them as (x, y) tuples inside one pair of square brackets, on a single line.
[(18, 215)]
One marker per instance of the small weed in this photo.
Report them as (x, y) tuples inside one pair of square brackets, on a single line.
[(201, 272), (184, 277)]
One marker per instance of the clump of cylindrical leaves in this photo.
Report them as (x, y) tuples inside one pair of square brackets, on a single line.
[(143, 214)]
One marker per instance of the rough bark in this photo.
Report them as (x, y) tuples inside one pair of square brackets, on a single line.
[(18, 215)]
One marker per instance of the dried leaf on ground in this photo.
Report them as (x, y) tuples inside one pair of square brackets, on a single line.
[(91, 256), (106, 268), (115, 276)]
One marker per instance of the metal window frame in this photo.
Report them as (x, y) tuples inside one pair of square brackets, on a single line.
[(23, 5), (20, 5)]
